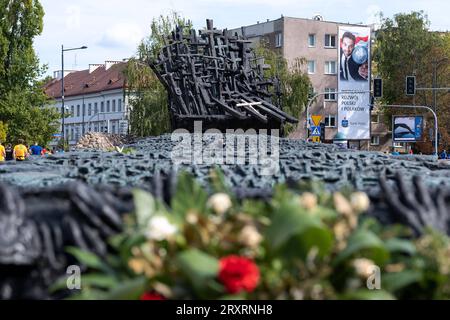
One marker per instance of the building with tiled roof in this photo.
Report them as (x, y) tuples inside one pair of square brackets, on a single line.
[(94, 100)]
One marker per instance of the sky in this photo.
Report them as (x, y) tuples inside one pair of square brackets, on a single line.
[(112, 29)]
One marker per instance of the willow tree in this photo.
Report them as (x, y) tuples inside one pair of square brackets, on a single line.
[(148, 99)]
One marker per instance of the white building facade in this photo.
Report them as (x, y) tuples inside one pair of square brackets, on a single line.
[(95, 101)]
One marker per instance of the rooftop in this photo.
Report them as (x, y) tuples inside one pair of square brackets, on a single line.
[(101, 77)]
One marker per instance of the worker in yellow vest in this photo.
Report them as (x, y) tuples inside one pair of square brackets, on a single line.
[(20, 151), (2, 152)]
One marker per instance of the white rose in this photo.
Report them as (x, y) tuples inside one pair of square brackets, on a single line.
[(360, 201), (308, 200), (159, 228), (250, 236), (220, 203), (363, 267), (341, 204)]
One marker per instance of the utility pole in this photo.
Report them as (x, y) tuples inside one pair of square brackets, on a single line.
[(436, 64)]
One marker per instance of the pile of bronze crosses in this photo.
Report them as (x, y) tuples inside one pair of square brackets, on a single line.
[(215, 77)]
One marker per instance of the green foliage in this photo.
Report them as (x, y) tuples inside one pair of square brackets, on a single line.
[(3, 131), (147, 96), (305, 246), (295, 83), (22, 104)]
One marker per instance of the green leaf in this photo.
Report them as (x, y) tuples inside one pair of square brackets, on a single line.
[(400, 245), (87, 258), (189, 196), (145, 206), (198, 267), (367, 244), (396, 281), (98, 280), (128, 290), (324, 213), (88, 294), (218, 181), (298, 231), (60, 284), (366, 294)]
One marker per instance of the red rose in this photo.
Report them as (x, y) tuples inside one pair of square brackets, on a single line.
[(151, 296), (238, 273)]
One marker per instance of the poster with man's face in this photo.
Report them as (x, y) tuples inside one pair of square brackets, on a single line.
[(354, 77)]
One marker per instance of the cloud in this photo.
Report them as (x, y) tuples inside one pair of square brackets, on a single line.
[(122, 35)]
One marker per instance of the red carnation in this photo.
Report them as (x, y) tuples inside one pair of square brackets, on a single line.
[(238, 273), (151, 296)]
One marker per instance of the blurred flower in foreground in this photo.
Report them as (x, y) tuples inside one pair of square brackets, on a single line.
[(238, 273), (250, 236), (363, 267), (360, 201), (308, 200), (220, 203), (151, 296), (159, 228)]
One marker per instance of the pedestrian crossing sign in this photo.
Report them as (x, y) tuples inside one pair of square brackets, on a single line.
[(315, 131)]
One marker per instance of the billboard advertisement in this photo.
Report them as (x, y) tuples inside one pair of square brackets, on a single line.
[(407, 129), (354, 75)]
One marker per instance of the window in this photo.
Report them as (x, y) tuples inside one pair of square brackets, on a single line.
[(108, 109), (72, 135), (95, 108), (113, 127), (330, 67), (78, 110), (119, 105), (375, 141), (330, 121), (330, 41), (89, 109), (84, 109), (72, 111), (398, 145), (114, 106), (375, 118), (102, 106), (278, 40), (312, 40), (330, 94), (311, 67)]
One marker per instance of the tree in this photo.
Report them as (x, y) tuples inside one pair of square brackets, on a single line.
[(148, 98), (3, 131), (23, 100), (294, 82), (405, 46)]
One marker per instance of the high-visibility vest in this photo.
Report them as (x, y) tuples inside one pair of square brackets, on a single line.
[(20, 150), (2, 152)]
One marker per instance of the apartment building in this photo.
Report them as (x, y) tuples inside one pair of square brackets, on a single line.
[(317, 41), (94, 100)]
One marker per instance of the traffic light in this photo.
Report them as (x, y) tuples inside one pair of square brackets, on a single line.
[(322, 132), (377, 88), (410, 85)]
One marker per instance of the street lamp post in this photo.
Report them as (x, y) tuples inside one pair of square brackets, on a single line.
[(63, 112), (436, 64)]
